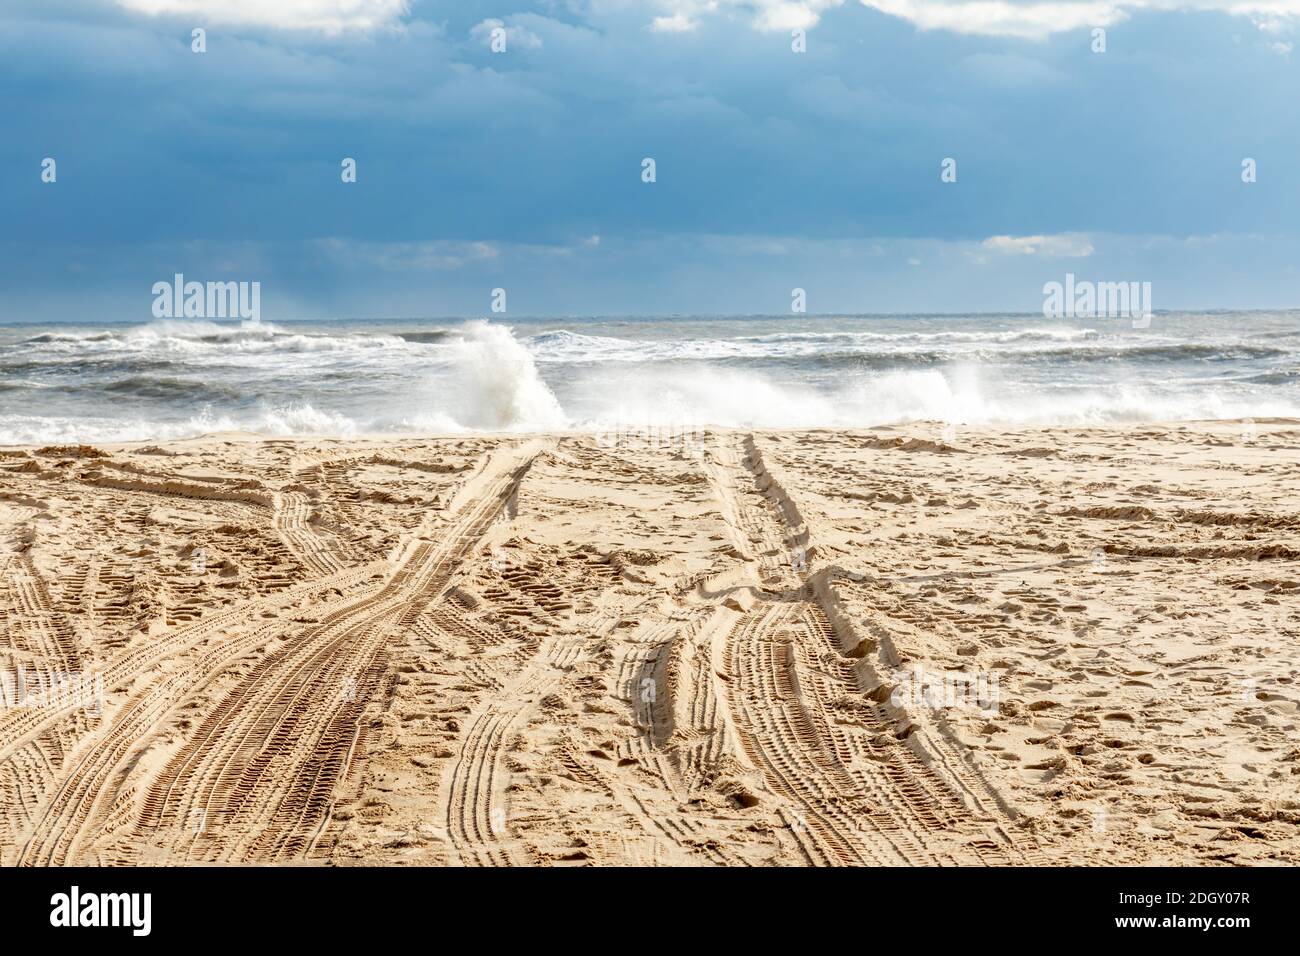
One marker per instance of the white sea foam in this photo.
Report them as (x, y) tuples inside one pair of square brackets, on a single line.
[(495, 383), (176, 378), (563, 345), (733, 399)]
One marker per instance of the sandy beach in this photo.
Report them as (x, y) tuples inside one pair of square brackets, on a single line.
[(901, 645)]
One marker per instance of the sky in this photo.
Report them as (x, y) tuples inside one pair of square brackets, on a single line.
[(522, 169)]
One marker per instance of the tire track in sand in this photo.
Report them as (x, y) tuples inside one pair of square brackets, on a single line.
[(292, 520), (852, 792), (258, 774), (263, 773), (473, 791)]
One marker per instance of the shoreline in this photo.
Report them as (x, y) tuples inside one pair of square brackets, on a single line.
[(933, 425)]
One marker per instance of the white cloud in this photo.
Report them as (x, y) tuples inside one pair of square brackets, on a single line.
[(325, 16), (1034, 19), (787, 15), (1267, 24), (1028, 19), (1001, 18), (770, 15), (677, 23), (1064, 246)]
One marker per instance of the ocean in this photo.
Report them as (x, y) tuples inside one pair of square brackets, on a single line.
[(163, 379)]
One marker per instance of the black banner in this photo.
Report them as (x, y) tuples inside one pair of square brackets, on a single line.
[(363, 906)]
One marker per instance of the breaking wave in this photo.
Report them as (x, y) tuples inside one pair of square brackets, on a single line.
[(176, 378)]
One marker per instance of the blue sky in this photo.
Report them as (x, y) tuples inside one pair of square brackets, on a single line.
[(522, 169)]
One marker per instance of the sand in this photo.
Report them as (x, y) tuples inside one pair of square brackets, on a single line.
[(909, 645)]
